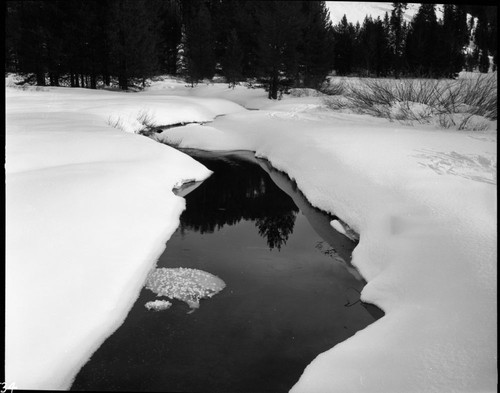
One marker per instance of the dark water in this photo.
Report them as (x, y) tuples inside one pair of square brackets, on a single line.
[(290, 293)]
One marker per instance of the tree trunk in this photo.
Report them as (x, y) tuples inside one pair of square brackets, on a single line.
[(93, 81), (122, 82), (40, 78), (273, 87), (54, 79)]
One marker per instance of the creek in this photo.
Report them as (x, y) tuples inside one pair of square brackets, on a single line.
[(290, 291)]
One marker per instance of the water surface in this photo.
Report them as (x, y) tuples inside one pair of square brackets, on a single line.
[(290, 292)]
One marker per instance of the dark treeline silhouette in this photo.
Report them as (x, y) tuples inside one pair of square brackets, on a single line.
[(276, 43), (425, 47)]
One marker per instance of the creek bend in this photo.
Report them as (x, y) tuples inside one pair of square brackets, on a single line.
[(291, 292)]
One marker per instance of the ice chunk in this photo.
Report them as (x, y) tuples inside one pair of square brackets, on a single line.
[(158, 305), (338, 226), (188, 285)]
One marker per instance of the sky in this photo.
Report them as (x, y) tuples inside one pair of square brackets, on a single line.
[(356, 11)]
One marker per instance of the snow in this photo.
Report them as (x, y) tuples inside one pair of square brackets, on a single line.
[(338, 226), (89, 208), (158, 305)]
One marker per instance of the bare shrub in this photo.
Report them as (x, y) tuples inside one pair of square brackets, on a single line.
[(481, 95), (333, 87), (145, 118), (336, 102), (116, 123), (421, 100)]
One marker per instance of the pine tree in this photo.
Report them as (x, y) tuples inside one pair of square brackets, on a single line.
[(397, 36), (278, 37), (169, 35), (374, 47), (134, 39), (233, 57), (198, 46), (344, 46), (481, 41), (181, 61), (421, 41), (316, 46), (452, 39), (29, 37)]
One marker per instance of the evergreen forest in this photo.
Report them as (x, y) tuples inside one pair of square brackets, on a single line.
[(277, 44)]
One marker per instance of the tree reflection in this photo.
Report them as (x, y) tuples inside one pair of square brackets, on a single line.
[(276, 229), (239, 190)]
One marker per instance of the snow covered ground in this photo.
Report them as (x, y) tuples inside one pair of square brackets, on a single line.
[(89, 208)]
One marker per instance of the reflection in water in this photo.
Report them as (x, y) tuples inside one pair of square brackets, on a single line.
[(277, 312), (276, 228), (242, 194), (334, 244)]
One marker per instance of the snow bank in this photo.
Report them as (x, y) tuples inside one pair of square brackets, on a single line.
[(125, 111), (88, 210), (239, 94), (424, 203)]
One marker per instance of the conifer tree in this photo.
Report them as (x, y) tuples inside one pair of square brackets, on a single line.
[(397, 36), (181, 61), (233, 57), (344, 34), (169, 35), (29, 36), (452, 39), (278, 37), (316, 46), (481, 42), (198, 46), (134, 39), (421, 41), (373, 47)]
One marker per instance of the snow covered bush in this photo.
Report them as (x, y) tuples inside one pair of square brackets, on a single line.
[(423, 100)]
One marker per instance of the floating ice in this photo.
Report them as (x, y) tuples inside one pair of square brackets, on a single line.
[(188, 285), (344, 229), (338, 226), (158, 305)]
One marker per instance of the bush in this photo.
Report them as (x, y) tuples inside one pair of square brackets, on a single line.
[(422, 100)]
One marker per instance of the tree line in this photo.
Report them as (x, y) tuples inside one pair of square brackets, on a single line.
[(278, 44), (425, 47)]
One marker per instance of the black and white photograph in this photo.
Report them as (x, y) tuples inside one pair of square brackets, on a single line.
[(231, 196)]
